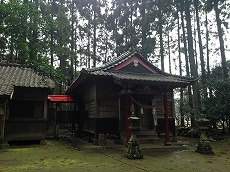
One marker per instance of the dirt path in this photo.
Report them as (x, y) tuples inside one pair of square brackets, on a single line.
[(58, 156)]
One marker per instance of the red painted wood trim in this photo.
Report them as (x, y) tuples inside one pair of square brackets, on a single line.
[(131, 60), (60, 98)]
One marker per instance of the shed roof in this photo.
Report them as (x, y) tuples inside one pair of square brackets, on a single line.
[(61, 98), (16, 75)]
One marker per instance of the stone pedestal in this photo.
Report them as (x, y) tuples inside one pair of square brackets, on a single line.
[(203, 145), (204, 148), (133, 150), (101, 140)]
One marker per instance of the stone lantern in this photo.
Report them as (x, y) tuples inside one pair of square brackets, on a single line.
[(203, 143), (133, 149)]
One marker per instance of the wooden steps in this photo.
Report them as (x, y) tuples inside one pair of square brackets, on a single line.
[(147, 137)]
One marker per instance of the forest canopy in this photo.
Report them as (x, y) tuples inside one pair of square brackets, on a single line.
[(183, 37)]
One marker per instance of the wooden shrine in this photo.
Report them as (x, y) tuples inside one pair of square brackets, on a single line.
[(107, 94)]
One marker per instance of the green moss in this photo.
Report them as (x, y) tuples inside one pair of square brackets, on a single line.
[(60, 156)]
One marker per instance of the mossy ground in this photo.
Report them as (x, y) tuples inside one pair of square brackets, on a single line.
[(55, 155)]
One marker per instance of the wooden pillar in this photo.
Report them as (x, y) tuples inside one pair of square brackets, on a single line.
[(167, 142), (2, 123), (127, 112)]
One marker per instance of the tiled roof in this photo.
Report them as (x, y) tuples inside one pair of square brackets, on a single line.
[(107, 70), (157, 78), (115, 61), (122, 58), (160, 77), (16, 75)]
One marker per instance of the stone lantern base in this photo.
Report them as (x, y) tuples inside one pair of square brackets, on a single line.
[(203, 143), (133, 150), (204, 148)]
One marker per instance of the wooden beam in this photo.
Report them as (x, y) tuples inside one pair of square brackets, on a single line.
[(2, 123), (167, 142), (127, 111)]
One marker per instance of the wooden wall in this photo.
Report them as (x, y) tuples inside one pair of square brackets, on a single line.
[(122, 113), (89, 99), (24, 129), (27, 119), (87, 94), (108, 99), (28, 103), (101, 107), (2, 118), (105, 109)]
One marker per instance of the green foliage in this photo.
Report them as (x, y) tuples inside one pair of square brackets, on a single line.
[(25, 34), (60, 37), (218, 104)]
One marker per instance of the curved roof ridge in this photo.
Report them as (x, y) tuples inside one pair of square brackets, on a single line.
[(114, 61)]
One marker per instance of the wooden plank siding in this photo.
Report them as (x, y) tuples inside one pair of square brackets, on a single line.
[(106, 112), (25, 129), (108, 108), (91, 108), (122, 113), (89, 125), (102, 101), (27, 116), (89, 99), (108, 100), (89, 113)]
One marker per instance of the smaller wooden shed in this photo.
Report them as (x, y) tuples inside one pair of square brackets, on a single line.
[(23, 103), (63, 110)]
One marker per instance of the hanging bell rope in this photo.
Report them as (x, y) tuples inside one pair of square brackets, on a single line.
[(140, 104), (132, 107)]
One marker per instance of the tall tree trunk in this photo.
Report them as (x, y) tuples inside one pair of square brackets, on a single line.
[(76, 63), (72, 41), (169, 54), (94, 36), (196, 94), (190, 98), (207, 50), (143, 28), (88, 49), (203, 76), (213, 121), (180, 68), (116, 33), (12, 57), (34, 40), (221, 40), (161, 44), (52, 34), (106, 34)]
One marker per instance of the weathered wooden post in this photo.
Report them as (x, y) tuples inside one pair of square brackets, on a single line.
[(133, 149), (2, 126)]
